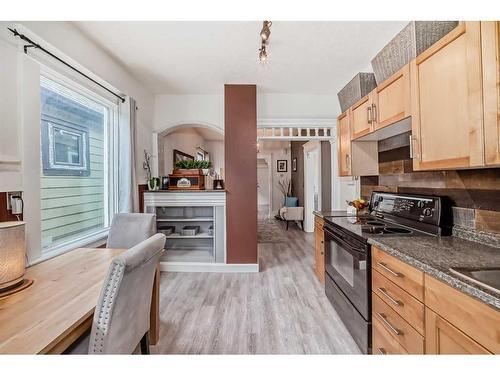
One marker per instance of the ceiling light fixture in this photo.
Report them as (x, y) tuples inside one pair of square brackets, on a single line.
[(263, 54), (265, 33)]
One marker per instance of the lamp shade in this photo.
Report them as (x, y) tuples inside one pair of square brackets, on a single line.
[(12, 253)]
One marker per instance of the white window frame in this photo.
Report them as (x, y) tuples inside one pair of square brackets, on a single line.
[(110, 166)]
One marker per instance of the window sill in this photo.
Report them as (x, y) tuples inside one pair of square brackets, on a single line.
[(93, 240)]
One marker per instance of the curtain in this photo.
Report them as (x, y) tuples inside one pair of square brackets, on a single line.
[(127, 184)]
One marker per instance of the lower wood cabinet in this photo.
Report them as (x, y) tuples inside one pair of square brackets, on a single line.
[(442, 337), (319, 249), (441, 321)]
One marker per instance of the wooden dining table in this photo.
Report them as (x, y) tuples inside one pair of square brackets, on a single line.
[(58, 308)]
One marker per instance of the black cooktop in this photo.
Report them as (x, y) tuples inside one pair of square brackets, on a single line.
[(392, 214)]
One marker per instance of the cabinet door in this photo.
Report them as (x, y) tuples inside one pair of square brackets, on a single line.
[(490, 42), (344, 144), (361, 115), (391, 100), (447, 102), (441, 337), (319, 253)]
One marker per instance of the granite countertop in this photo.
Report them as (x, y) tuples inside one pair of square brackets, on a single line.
[(336, 213), (435, 255)]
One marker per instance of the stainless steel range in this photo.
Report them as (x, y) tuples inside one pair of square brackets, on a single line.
[(348, 257)]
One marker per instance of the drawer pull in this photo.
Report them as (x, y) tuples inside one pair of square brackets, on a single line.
[(389, 297), (381, 351), (389, 325), (394, 273)]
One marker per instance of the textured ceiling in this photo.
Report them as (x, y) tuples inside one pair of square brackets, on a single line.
[(199, 57)]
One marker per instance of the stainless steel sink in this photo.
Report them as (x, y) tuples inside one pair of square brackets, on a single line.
[(486, 277)]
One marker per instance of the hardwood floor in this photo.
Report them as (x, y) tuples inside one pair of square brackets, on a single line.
[(280, 310)]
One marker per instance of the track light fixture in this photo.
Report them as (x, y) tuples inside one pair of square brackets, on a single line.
[(263, 54), (265, 33)]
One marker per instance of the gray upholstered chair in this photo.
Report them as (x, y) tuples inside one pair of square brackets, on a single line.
[(292, 214), (128, 230), (121, 318)]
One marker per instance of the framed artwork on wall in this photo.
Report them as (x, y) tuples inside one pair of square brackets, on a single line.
[(294, 165), (282, 166)]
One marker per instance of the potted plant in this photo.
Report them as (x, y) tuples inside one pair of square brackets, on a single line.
[(153, 182), (192, 167)]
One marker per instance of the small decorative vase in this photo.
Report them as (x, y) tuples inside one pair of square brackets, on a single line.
[(153, 183)]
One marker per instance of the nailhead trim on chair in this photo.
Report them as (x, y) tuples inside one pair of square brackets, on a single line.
[(110, 290)]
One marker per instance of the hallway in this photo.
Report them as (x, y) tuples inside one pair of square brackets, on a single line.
[(280, 310)]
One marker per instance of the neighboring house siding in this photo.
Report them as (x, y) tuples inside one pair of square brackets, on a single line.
[(73, 205)]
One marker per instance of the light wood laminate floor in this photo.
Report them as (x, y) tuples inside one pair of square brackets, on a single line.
[(280, 310)]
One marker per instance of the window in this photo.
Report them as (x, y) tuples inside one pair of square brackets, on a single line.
[(65, 149), (78, 163)]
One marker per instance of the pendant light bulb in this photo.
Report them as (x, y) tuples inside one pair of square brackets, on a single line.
[(263, 54)]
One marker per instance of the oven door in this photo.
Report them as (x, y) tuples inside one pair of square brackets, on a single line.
[(347, 263)]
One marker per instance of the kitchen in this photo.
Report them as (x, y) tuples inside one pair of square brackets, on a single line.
[(406, 270), (130, 176)]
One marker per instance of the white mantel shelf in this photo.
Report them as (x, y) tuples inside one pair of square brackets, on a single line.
[(185, 198)]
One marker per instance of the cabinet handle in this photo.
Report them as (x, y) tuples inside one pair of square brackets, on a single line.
[(382, 317), (389, 297), (381, 351), (374, 112), (394, 273), (347, 160), (413, 155), (369, 114), (411, 146)]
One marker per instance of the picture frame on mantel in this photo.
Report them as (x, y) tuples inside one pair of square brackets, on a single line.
[(179, 156), (282, 166)]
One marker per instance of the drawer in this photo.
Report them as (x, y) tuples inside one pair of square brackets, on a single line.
[(408, 307), (397, 327), (404, 275), (383, 342)]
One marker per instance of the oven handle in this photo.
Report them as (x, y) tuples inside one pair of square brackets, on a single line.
[(336, 238)]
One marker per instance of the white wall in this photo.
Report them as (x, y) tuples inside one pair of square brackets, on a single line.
[(275, 154), (170, 110), (216, 152)]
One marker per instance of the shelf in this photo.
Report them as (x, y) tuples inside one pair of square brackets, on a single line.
[(178, 236), (166, 219), (185, 255)]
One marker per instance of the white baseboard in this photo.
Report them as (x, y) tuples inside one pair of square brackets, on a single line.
[(208, 267)]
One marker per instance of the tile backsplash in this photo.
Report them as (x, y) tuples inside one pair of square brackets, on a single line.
[(473, 194)]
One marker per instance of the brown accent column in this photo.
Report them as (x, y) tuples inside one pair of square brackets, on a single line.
[(240, 152)]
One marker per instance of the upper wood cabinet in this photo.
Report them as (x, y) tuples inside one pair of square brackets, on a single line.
[(490, 44), (361, 117), (391, 99), (344, 144), (446, 101)]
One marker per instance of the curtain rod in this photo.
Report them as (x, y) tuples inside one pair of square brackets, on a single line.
[(32, 44)]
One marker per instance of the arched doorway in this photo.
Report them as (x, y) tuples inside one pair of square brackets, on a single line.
[(189, 140)]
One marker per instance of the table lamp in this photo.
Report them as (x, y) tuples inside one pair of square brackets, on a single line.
[(12, 255)]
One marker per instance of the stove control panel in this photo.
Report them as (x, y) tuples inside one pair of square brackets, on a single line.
[(421, 208)]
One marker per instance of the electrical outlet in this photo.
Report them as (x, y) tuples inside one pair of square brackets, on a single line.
[(11, 194)]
